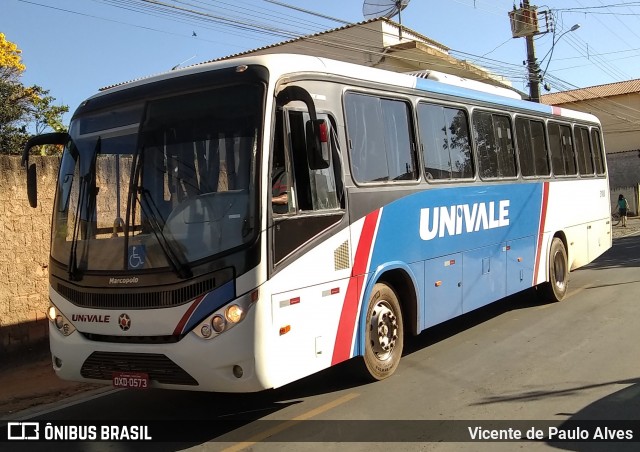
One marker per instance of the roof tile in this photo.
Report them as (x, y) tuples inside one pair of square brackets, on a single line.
[(592, 92)]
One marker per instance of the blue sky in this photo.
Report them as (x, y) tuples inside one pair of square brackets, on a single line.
[(74, 47)]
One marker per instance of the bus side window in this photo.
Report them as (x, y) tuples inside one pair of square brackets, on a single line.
[(585, 164), (532, 147), (562, 155), (444, 135), (555, 144), (568, 154), (496, 155), (380, 139), (596, 146)]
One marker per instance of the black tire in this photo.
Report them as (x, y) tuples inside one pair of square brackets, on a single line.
[(556, 288), (384, 335)]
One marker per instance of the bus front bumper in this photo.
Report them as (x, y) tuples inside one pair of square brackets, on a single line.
[(226, 363)]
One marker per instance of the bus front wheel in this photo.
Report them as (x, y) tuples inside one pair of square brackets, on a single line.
[(556, 287), (384, 334)]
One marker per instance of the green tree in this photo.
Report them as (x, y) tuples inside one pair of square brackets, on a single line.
[(23, 108)]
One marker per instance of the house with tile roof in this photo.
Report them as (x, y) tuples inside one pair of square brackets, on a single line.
[(617, 105)]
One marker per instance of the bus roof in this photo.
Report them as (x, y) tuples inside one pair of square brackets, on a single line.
[(281, 64)]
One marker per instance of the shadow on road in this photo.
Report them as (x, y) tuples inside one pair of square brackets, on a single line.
[(625, 252), (619, 411)]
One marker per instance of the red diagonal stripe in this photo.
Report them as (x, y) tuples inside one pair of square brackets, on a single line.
[(185, 317), (543, 217), (346, 327)]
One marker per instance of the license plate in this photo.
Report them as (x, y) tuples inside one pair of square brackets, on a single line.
[(130, 380)]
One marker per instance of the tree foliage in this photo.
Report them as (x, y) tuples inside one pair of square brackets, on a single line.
[(23, 108)]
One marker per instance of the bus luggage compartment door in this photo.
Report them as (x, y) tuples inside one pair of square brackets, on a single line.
[(443, 289), (484, 276), (520, 263)]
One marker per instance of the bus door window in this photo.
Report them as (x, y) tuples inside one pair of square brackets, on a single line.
[(281, 193), (313, 196), (315, 188)]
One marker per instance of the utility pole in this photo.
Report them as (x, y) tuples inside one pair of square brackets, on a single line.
[(524, 24), (532, 64)]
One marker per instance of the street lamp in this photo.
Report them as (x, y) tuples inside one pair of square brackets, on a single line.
[(553, 45)]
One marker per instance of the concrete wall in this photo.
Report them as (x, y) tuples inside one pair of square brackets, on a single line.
[(624, 168), (24, 253), (624, 177)]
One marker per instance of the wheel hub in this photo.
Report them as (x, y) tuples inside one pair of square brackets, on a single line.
[(559, 271), (383, 330)]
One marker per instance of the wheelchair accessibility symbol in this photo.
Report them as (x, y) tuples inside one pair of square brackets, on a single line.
[(136, 256)]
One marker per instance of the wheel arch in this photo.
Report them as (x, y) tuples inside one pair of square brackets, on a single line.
[(400, 277)]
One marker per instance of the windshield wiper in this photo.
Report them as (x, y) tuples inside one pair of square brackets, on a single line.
[(168, 245), (72, 268), (142, 196), (86, 182)]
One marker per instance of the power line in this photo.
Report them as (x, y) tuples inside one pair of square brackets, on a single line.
[(244, 26)]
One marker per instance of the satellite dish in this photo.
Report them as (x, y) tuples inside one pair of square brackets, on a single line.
[(383, 8), (372, 9)]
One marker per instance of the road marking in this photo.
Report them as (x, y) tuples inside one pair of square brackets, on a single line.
[(288, 424)]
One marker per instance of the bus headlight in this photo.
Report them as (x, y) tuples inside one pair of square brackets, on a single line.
[(58, 320), (205, 330), (218, 323), (52, 312), (227, 317), (234, 313)]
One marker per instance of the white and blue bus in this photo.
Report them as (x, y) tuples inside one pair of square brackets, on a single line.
[(401, 202)]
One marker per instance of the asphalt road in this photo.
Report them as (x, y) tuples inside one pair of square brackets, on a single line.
[(519, 363)]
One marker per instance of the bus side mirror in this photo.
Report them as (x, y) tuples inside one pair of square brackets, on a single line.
[(59, 138), (318, 144)]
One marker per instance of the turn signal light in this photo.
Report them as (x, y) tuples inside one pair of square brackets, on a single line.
[(285, 329)]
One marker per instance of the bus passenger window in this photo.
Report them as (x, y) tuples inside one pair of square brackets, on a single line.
[(495, 145), (445, 143), (532, 148), (583, 151), (596, 145), (380, 137), (562, 157)]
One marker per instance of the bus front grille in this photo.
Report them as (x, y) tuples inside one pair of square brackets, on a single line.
[(167, 339), (136, 300), (101, 365)]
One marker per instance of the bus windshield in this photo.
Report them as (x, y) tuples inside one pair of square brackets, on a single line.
[(162, 183)]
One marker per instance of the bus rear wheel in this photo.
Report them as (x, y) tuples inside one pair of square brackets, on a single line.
[(556, 288), (384, 335)]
